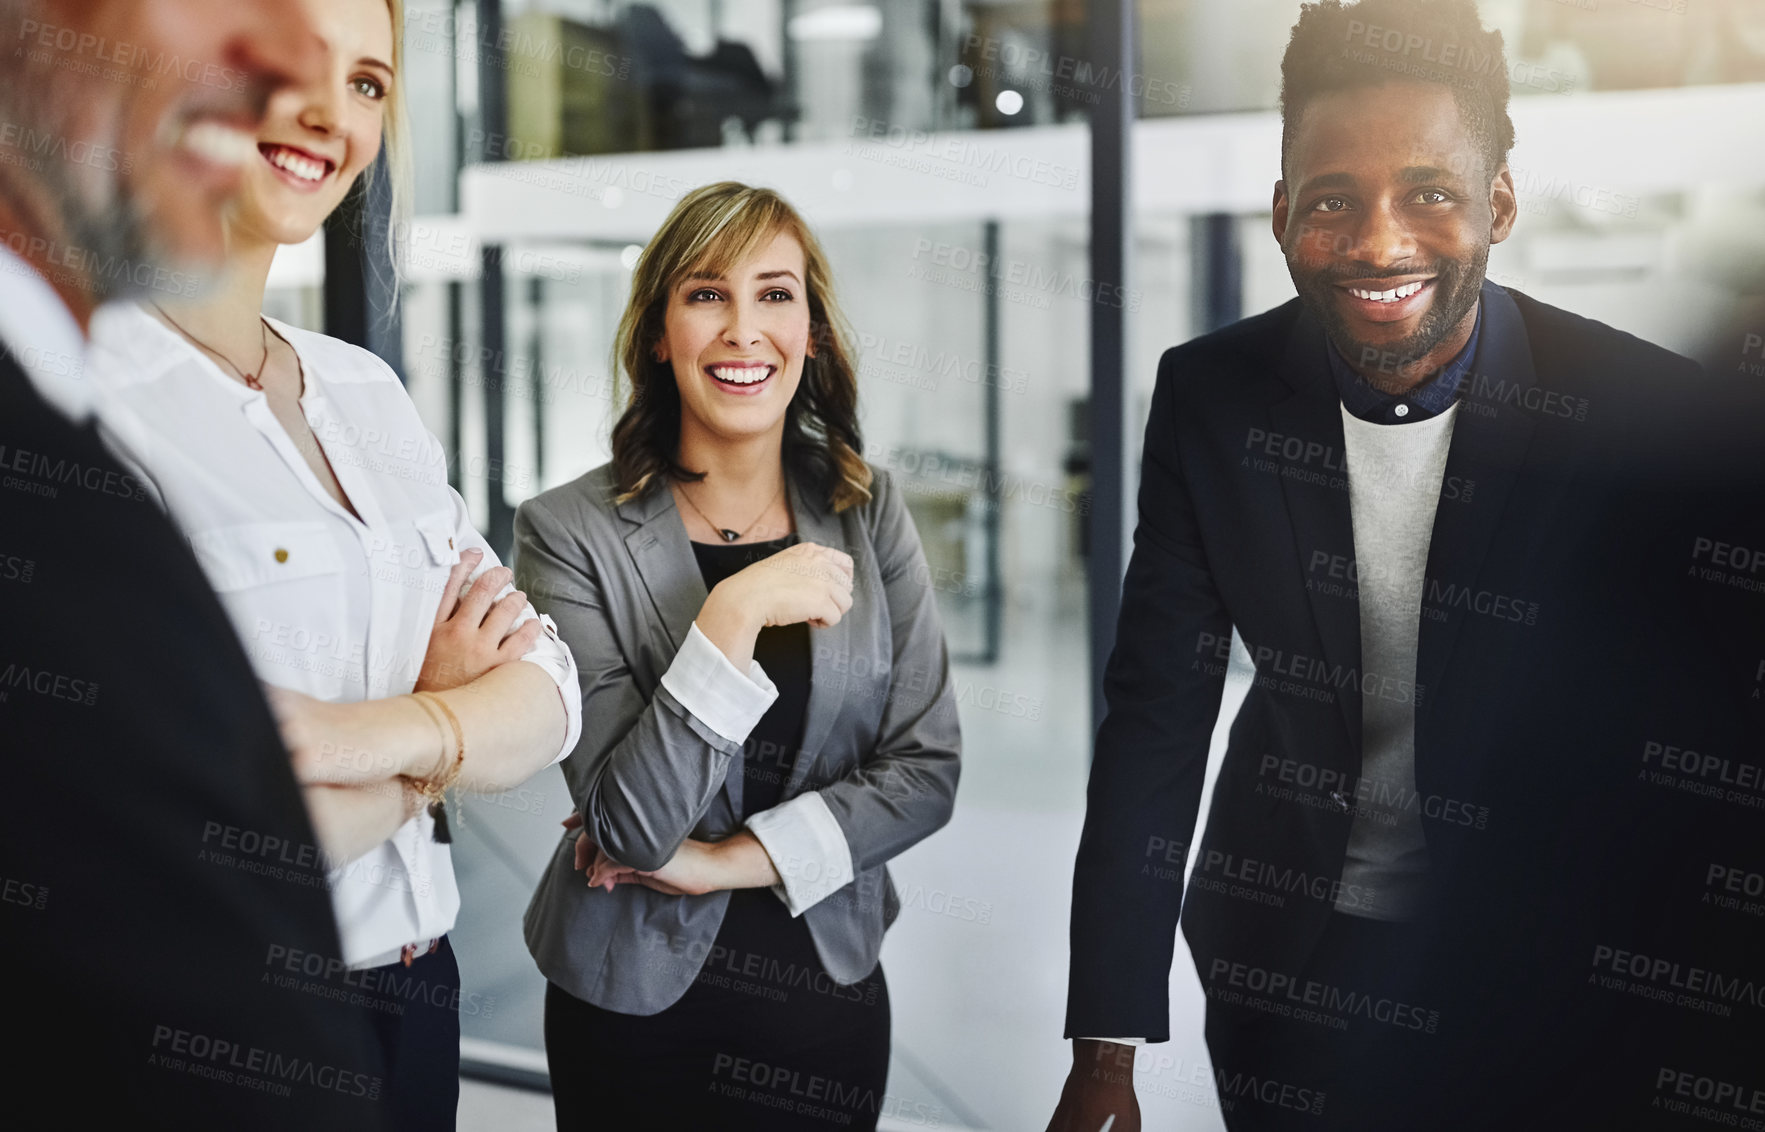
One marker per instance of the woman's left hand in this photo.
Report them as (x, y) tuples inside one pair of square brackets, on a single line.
[(691, 871)]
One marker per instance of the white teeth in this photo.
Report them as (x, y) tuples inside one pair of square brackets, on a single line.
[(303, 167), (220, 144), (741, 375), (1403, 292)]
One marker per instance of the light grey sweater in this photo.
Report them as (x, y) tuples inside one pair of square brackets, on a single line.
[(1394, 477)]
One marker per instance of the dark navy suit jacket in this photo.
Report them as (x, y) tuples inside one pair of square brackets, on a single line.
[(1563, 647), (158, 866)]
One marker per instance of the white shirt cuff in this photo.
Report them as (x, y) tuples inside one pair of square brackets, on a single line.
[(1118, 1041), (715, 691), (808, 849), (554, 659)]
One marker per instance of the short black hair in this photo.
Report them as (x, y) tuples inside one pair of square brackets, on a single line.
[(1337, 46)]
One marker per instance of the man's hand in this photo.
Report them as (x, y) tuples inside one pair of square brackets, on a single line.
[(1100, 1087)]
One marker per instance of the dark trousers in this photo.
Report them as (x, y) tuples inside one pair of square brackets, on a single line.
[(1348, 1042), (416, 1018), (775, 1070)]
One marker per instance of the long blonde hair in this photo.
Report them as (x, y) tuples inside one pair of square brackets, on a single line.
[(712, 229), (395, 155)]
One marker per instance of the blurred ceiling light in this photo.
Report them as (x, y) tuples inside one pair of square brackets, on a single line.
[(846, 21), (628, 255), (1009, 102)]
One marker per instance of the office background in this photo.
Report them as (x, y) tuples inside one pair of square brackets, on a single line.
[(959, 160)]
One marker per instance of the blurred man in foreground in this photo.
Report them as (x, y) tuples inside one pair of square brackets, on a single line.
[(165, 906)]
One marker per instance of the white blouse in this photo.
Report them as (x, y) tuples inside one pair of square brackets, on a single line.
[(330, 605)]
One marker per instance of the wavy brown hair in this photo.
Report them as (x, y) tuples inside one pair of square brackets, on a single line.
[(712, 229)]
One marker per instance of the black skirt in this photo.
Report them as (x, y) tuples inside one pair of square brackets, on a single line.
[(763, 1039)]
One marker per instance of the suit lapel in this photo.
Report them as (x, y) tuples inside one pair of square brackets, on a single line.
[(664, 560), (830, 649), (1490, 439), (663, 556), (1319, 511)]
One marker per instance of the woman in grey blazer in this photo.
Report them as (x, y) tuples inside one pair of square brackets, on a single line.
[(767, 709)]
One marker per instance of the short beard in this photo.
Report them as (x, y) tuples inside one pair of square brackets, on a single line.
[(108, 248), (1457, 284)]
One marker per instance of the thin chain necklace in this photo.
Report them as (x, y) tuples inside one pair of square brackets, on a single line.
[(250, 379), (729, 535)]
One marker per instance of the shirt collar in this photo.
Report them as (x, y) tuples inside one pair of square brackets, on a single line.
[(40, 333), (1429, 399)]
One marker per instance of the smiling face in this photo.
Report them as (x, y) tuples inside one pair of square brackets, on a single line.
[(316, 138), (736, 342), (161, 98), (1386, 216)]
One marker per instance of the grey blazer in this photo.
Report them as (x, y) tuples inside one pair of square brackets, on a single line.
[(880, 739)]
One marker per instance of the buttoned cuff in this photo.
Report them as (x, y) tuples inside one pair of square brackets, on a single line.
[(808, 849), (715, 691), (553, 658), (1118, 1041)]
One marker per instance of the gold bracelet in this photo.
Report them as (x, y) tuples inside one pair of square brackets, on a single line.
[(435, 786)]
